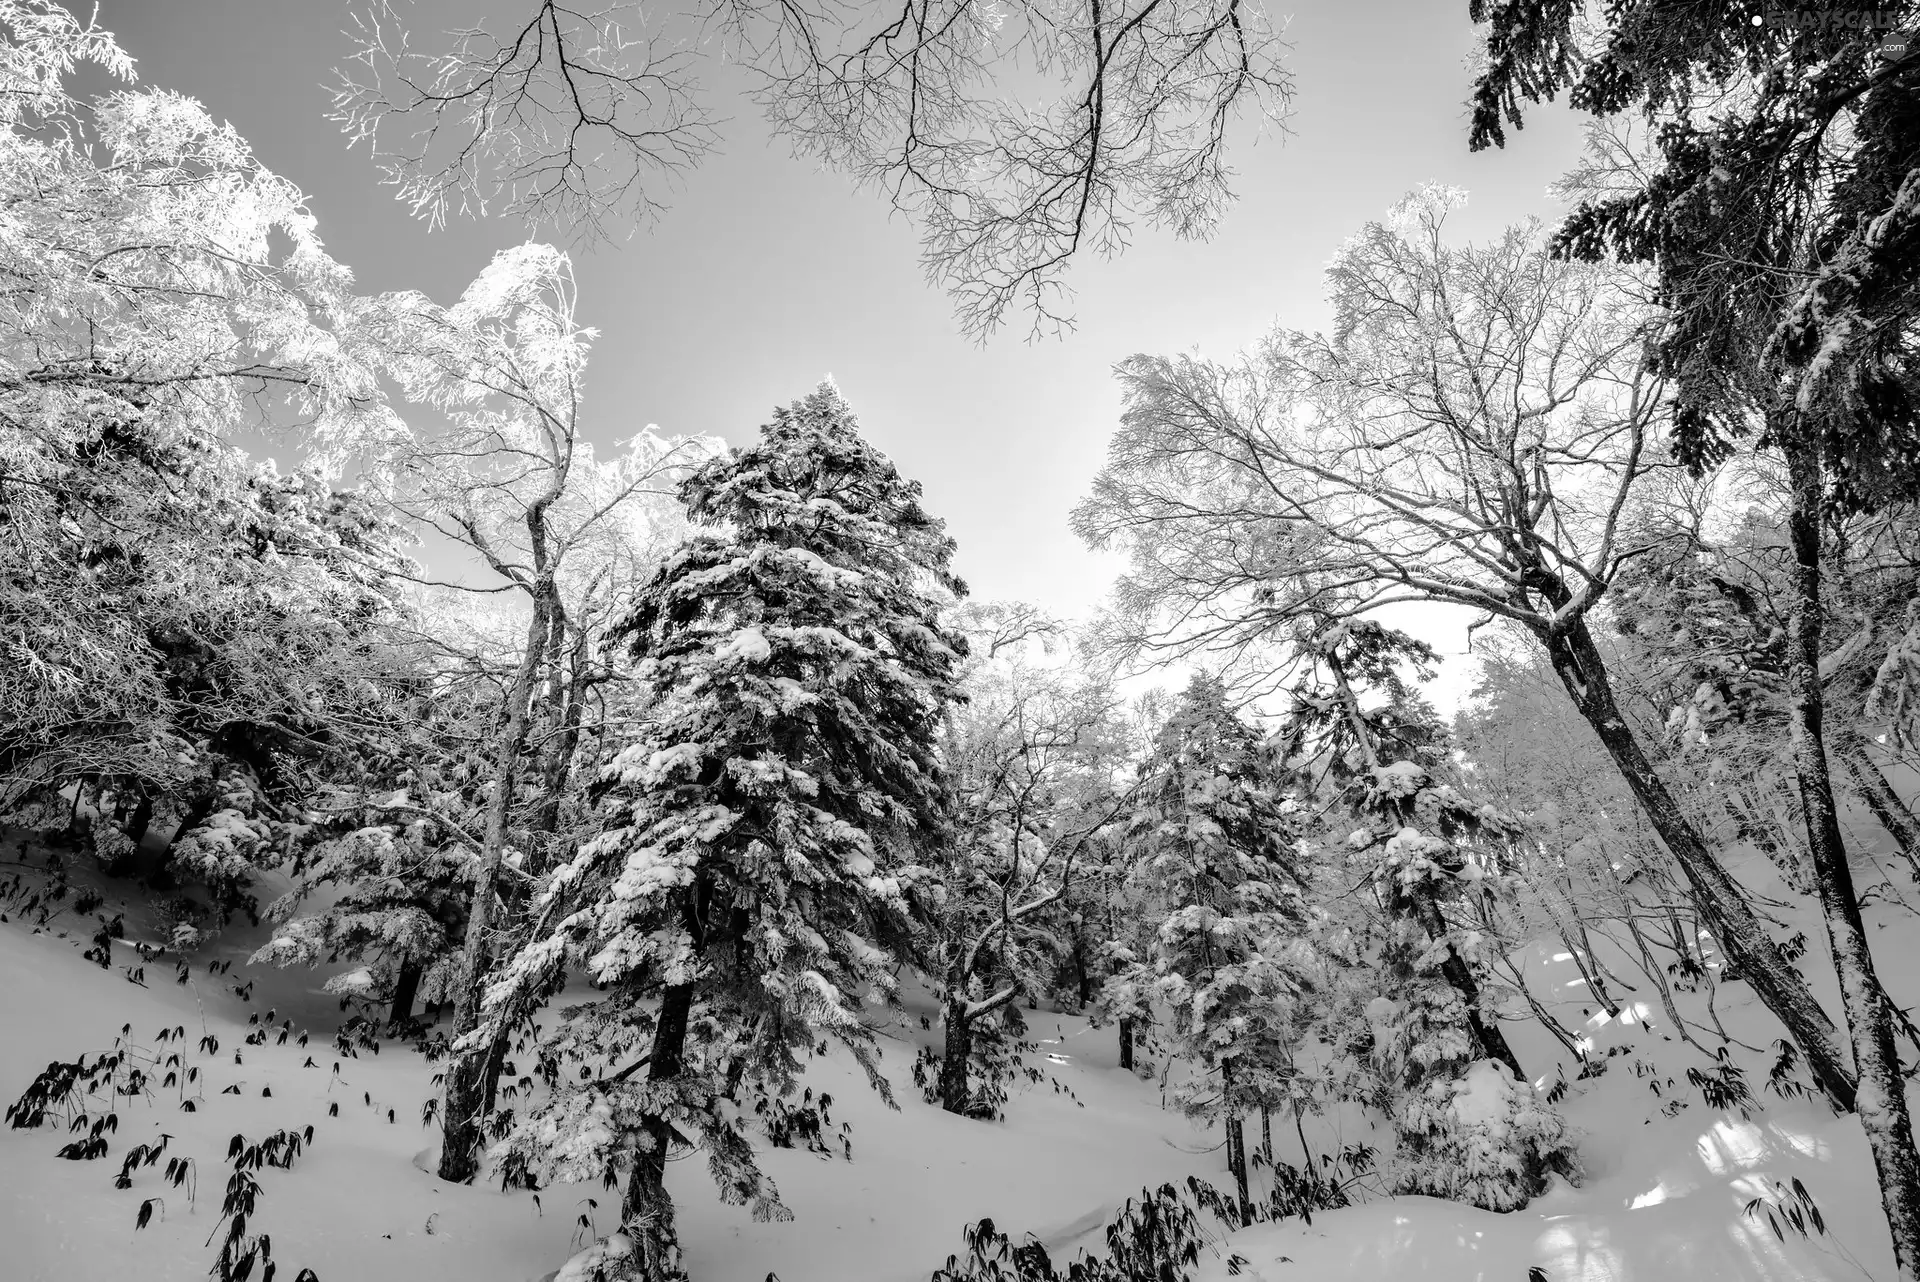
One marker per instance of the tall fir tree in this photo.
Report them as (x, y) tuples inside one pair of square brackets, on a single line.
[(756, 878), (1215, 843), (1468, 1126)]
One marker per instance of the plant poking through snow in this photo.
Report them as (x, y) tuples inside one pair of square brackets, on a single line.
[(239, 1251), (1783, 1209)]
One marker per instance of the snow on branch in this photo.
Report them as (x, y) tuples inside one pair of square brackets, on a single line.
[(571, 120), (564, 121)]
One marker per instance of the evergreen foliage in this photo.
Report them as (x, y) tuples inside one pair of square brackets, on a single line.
[(761, 861)]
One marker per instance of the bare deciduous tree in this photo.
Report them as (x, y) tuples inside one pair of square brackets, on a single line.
[(1470, 434), (512, 480), (575, 120)]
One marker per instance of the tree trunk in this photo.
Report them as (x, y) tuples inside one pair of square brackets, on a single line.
[(953, 1061), (1084, 979), (1126, 1043), (139, 820), (405, 988), (1237, 1161), (565, 710), (466, 1088), (1882, 800), (1721, 903), (561, 712), (151, 864), (1236, 1143), (1881, 1099), (646, 1212), (1493, 1042)]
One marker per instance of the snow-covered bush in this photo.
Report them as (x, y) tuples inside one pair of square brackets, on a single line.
[(1480, 1138)]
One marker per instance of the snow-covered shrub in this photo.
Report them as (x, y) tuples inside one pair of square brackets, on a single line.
[(1480, 1138)]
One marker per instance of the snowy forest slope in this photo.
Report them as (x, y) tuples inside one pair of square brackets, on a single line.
[(1665, 1195)]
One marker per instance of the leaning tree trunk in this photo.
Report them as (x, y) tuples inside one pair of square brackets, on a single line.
[(1881, 1099), (646, 1212), (1486, 1031), (1422, 906), (1721, 903), (1881, 800), (467, 1088)]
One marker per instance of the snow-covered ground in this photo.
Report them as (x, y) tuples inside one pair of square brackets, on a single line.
[(1664, 1198)]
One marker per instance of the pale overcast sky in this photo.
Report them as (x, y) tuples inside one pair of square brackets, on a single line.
[(767, 274)]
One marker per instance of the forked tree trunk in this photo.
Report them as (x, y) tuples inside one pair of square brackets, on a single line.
[(646, 1212), (1721, 903), (1881, 1099), (1236, 1144), (560, 712), (467, 1089)]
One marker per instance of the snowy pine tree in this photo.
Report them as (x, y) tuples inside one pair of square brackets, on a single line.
[(1216, 846), (754, 882), (1468, 1125)]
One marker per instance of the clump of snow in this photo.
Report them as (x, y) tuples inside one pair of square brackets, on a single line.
[(1482, 1097), (748, 645), (358, 982), (1401, 779), (591, 1264)]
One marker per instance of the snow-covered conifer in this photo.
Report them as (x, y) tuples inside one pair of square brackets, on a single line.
[(1467, 1123), (1215, 843), (754, 882)]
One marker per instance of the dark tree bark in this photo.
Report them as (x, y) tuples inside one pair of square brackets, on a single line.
[(1081, 975), (405, 989), (1126, 1043), (955, 1054), (1236, 1144), (646, 1211), (569, 679), (1881, 1099), (1237, 1160), (1493, 1042), (139, 818), (1721, 903)]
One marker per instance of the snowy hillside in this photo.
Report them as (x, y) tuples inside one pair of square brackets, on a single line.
[(507, 774), (1664, 1194), (359, 1205)]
